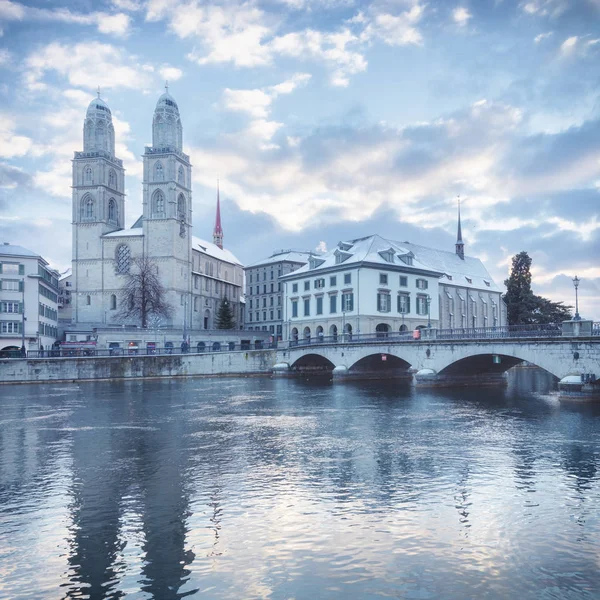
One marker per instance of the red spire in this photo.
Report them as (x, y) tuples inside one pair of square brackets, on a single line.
[(218, 231)]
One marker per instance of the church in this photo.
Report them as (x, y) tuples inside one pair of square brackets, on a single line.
[(196, 274)]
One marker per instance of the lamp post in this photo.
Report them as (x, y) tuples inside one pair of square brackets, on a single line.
[(343, 323), (23, 321), (428, 311), (576, 281)]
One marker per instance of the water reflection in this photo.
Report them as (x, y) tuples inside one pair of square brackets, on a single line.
[(276, 488)]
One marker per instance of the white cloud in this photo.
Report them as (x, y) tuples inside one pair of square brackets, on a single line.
[(321, 246), (170, 73), (88, 65), (396, 30), (130, 5), (542, 36), (108, 23), (5, 57), (461, 15), (254, 102), (568, 46), (11, 144)]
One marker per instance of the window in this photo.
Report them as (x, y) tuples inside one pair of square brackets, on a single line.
[(272, 274), (347, 278), (250, 303), (279, 313), (348, 302), (421, 305), (383, 279), (272, 288), (271, 301), (332, 281), (403, 281), (294, 308), (407, 259), (257, 316), (87, 208), (264, 315), (88, 300), (332, 304), (319, 283), (279, 286), (112, 179), (12, 269), (250, 277), (320, 305), (113, 302), (250, 317), (10, 307), (295, 288), (159, 174), (11, 327), (384, 302), (422, 284), (264, 275), (278, 300), (88, 176), (158, 204), (197, 305), (469, 279), (264, 303), (270, 315), (306, 286), (258, 289), (181, 207), (12, 285), (486, 282), (307, 307), (196, 280), (112, 211), (264, 289), (180, 176), (123, 259), (403, 304)]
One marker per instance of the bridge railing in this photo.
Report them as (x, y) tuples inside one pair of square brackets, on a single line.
[(551, 330)]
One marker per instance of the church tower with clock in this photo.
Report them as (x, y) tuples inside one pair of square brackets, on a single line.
[(167, 204)]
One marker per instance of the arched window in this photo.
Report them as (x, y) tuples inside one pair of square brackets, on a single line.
[(180, 176), (122, 259), (88, 300), (87, 175), (181, 207), (112, 211), (158, 203), (112, 179), (113, 302), (159, 174), (87, 208)]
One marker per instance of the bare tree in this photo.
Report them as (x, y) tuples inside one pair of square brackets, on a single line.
[(143, 295)]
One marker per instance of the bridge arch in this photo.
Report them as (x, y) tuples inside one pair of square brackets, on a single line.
[(489, 364), (313, 364), (381, 364)]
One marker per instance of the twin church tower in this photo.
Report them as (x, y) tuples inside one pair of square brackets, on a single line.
[(102, 248)]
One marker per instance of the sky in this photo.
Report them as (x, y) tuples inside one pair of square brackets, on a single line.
[(324, 120)]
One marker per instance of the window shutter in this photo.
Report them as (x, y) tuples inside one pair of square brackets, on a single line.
[(20, 286), (0, 268), (21, 269), (20, 308)]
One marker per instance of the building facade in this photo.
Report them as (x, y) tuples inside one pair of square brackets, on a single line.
[(265, 293), (376, 286), (195, 274), (28, 300)]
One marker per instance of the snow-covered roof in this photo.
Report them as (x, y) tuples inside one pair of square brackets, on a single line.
[(134, 231), (296, 256), (452, 270), (460, 270), (214, 251), (65, 274), (12, 250), (372, 249)]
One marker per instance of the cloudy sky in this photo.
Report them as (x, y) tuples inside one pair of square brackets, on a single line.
[(324, 120)]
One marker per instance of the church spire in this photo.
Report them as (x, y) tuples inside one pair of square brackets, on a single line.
[(218, 231), (460, 246)]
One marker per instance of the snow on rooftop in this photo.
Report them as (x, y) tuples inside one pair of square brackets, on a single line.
[(134, 231), (297, 256), (214, 251), (7, 249)]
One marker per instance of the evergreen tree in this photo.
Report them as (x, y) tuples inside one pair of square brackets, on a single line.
[(225, 318), (523, 306)]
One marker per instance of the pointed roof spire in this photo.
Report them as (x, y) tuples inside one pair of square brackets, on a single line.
[(460, 246), (218, 231)]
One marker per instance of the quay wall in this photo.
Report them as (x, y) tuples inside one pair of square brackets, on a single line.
[(253, 362)]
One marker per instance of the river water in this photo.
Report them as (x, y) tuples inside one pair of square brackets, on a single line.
[(261, 488)]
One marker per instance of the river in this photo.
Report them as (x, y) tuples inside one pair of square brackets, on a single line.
[(241, 488)]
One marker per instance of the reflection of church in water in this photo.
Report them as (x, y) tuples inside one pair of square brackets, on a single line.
[(195, 273)]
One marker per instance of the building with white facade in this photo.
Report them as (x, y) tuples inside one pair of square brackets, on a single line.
[(196, 274), (264, 290), (28, 300), (373, 285)]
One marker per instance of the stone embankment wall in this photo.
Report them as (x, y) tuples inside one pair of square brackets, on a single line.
[(253, 362)]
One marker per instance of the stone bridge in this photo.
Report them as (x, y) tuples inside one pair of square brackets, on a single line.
[(574, 361)]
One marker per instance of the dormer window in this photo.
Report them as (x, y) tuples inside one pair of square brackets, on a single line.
[(344, 246), (469, 279), (449, 276), (340, 257), (486, 282), (313, 262), (407, 258), (387, 255)]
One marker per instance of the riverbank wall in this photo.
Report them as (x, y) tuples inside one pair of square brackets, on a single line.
[(253, 362)]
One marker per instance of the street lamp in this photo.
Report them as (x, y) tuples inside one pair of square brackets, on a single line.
[(428, 311), (23, 321), (576, 281)]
